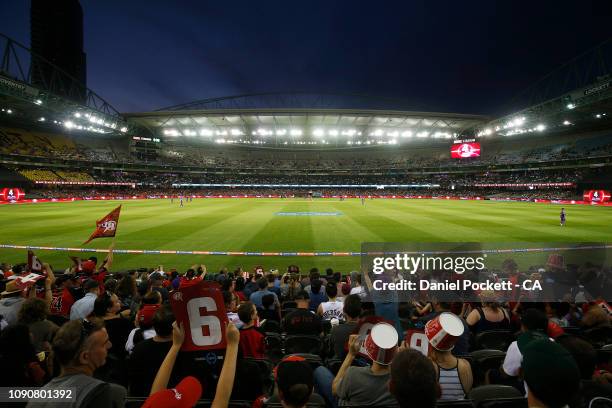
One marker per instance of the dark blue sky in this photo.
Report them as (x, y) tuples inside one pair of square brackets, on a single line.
[(460, 56)]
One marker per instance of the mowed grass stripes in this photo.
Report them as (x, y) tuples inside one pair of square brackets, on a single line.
[(251, 225)]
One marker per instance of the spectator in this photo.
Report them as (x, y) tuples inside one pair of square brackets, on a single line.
[(250, 287), (593, 383), (33, 313), (462, 345), (302, 320), (550, 373), (356, 288), (157, 285), (107, 307), (454, 374), (81, 347), (64, 296), (21, 365), (159, 397), (595, 317), (239, 288), (332, 308), (256, 297), (290, 286), (533, 327), (364, 385), (266, 313), (271, 285), (126, 290), (84, 306), (340, 334), (490, 316), (144, 320), (148, 355), (251, 341), (11, 302), (295, 382), (413, 380), (317, 295), (230, 307)]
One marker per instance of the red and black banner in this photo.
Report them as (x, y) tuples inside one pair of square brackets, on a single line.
[(107, 226)]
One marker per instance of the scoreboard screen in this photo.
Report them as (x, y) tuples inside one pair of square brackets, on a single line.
[(465, 150), (596, 196), (11, 194)]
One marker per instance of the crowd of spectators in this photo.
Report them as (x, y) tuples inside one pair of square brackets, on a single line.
[(22, 142), (298, 338)]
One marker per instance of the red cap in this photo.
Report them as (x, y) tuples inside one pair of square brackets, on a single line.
[(185, 395), (288, 358), (555, 261), (443, 331), (145, 315), (88, 266), (381, 343)]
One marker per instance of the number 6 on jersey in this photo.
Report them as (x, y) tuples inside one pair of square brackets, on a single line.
[(201, 309)]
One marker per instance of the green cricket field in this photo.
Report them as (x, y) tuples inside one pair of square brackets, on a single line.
[(285, 225)]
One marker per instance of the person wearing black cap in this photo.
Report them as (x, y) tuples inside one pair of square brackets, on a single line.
[(550, 373), (295, 383)]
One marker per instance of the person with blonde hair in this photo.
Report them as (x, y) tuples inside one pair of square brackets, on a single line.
[(490, 316)]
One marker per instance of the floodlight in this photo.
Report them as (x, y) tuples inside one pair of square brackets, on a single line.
[(567, 122), (123, 129), (9, 111), (570, 106), (236, 132), (407, 133), (295, 132), (318, 132), (333, 132), (42, 119), (281, 132), (38, 102), (540, 127), (69, 124)]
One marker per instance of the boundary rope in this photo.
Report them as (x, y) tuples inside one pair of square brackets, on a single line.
[(311, 254)]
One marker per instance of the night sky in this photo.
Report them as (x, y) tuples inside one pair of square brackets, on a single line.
[(448, 56)]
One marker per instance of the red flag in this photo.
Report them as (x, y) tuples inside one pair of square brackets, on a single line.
[(34, 264), (107, 226)]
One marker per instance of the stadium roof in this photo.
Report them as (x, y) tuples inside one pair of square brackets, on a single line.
[(223, 120)]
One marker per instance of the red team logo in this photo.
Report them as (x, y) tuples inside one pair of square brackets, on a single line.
[(597, 196), (11, 194), (465, 150), (108, 226)]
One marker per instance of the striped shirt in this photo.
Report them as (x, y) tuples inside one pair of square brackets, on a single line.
[(451, 386)]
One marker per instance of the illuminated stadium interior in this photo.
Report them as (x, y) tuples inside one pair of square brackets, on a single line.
[(291, 200)]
